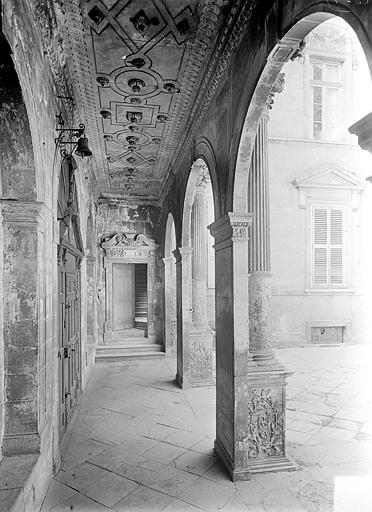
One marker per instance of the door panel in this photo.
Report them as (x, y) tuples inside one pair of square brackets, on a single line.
[(69, 337), (123, 297)]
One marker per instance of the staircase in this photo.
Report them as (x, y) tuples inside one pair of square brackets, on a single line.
[(129, 344), (140, 313)]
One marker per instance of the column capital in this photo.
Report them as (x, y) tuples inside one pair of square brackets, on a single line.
[(363, 130), (182, 252), (168, 259), (231, 226)]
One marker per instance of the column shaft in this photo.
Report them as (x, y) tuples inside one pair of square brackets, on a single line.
[(259, 249), (199, 258)]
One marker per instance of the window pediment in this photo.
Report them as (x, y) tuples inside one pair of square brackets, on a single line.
[(329, 177)]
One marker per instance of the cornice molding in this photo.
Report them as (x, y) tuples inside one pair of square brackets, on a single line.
[(81, 71), (232, 33), (203, 38)]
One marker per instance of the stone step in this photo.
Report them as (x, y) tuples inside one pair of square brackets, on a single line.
[(130, 349), (127, 352)]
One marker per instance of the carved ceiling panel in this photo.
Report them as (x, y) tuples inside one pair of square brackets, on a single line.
[(140, 50)]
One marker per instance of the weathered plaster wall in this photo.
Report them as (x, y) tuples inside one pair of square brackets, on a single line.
[(30, 175)]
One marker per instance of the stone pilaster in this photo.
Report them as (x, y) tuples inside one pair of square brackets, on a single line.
[(183, 257), (250, 400), (170, 315), (23, 274), (91, 301)]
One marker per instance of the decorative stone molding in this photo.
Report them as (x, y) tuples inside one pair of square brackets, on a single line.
[(363, 130), (124, 245), (77, 50), (277, 88), (203, 38), (233, 30), (263, 435)]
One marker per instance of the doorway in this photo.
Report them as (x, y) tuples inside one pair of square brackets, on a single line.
[(129, 298)]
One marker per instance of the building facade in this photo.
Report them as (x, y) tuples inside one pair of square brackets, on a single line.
[(319, 197)]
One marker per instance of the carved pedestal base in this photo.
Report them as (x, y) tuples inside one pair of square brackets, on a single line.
[(258, 443), (198, 366)]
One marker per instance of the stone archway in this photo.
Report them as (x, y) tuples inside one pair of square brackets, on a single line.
[(195, 337), (256, 383)]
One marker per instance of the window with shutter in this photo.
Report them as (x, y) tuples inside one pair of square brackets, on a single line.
[(328, 247)]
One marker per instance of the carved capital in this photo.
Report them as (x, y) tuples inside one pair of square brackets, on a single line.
[(182, 253), (232, 226)]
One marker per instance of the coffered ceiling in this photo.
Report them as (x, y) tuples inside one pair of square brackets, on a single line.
[(140, 52)]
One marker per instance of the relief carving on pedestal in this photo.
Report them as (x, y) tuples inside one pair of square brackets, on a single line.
[(264, 433), (200, 361)]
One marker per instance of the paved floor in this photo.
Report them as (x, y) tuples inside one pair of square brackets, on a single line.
[(142, 444)]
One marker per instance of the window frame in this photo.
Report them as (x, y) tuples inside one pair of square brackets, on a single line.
[(314, 58)]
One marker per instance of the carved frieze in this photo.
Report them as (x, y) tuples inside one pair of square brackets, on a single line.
[(263, 434), (122, 245)]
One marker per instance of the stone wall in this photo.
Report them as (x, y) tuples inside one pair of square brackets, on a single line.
[(30, 167)]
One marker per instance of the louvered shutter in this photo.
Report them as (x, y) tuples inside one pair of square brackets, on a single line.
[(336, 259), (328, 247), (320, 246)]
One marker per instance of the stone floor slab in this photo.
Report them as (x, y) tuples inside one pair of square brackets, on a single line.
[(152, 449)]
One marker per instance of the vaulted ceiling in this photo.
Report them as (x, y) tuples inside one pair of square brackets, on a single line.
[(145, 61)]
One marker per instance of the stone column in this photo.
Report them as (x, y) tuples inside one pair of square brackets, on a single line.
[(170, 321), (259, 258), (250, 400), (199, 257), (259, 264)]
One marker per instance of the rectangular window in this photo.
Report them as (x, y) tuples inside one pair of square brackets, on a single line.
[(328, 247), (325, 99)]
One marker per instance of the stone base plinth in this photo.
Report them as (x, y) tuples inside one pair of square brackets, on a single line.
[(200, 361), (253, 441)]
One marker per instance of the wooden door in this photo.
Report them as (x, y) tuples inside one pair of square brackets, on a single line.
[(69, 336), (123, 296)]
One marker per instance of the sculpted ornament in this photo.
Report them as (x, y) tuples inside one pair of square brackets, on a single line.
[(264, 432), (200, 361), (240, 229), (128, 244)]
